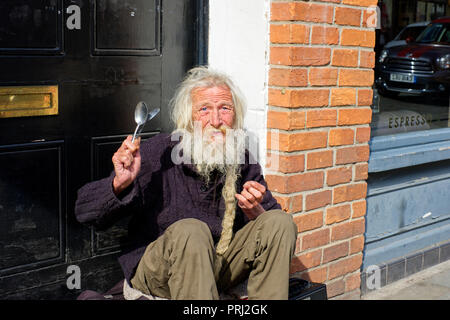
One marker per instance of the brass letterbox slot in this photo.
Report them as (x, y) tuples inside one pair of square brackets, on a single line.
[(28, 101)]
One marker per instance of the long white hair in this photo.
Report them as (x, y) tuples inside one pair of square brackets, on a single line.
[(203, 77)]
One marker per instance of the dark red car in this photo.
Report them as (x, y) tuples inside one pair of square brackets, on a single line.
[(419, 67)]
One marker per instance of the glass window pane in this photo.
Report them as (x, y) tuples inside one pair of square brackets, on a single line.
[(412, 87), (411, 32)]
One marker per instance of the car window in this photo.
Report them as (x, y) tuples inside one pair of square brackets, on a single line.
[(410, 32), (401, 35), (414, 32), (445, 37), (433, 33)]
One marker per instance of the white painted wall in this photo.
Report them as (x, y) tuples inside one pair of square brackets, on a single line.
[(239, 46)]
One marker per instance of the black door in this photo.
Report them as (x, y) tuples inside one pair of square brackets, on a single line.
[(71, 73)]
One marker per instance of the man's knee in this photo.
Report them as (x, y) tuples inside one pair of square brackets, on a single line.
[(191, 229), (279, 220)]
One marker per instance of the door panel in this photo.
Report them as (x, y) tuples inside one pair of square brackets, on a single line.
[(31, 232), (124, 52), (127, 27), (34, 27)]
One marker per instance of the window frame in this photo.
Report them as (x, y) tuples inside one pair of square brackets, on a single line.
[(408, 149)]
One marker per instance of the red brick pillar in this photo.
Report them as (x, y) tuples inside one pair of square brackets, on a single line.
[(320, 92)]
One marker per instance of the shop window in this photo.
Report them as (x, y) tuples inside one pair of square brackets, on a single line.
[(413, 83), (412, 76)]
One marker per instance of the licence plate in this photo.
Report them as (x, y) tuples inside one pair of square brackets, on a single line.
[(402, 77)]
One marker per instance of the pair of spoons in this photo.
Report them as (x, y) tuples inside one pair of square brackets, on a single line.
[(141, 116)]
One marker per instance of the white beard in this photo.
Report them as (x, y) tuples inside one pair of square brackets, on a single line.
[(215, 152)]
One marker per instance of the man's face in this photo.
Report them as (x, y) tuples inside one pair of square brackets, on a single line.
[(214, 108)]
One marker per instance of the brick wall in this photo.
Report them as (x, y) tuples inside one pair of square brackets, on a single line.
[(319, 97)]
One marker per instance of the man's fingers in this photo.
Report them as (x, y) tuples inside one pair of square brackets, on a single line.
[(258, 187), (243, 202), (258, 195), (127, 152), (132, 147), (247, 185), (247, 195), (123, 157), (115, 159), (126, 160), (255, 185)]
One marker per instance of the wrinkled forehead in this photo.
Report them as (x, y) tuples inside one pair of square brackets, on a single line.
[(211, 94)]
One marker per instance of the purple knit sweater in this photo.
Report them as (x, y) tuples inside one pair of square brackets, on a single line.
[(162, 194)]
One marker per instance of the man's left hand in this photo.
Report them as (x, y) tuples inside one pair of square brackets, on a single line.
[(249, 200)]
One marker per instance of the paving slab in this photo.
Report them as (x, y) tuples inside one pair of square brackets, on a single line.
[(430, 284)]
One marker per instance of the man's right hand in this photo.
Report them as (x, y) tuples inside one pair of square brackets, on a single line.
[(127, 163)]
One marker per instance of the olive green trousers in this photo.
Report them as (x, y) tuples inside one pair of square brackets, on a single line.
[(182, 263)]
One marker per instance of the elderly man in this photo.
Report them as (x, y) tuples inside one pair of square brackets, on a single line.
[(203, 225)]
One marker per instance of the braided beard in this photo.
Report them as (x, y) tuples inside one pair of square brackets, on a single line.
[(228, 192)]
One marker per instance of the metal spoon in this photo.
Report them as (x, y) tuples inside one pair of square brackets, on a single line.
[(140, 116), (152, 114)]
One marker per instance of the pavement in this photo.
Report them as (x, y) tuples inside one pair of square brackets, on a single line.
[(430, 284)]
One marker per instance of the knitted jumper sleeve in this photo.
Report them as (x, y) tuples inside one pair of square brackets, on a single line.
[(97, 204)]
